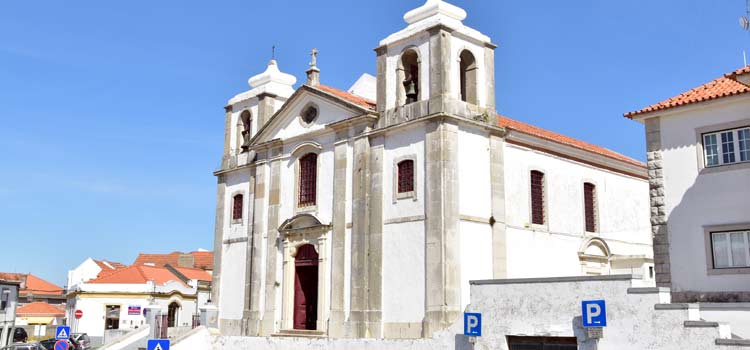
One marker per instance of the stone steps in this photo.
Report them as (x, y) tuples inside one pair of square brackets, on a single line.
[(298, 333), (725, 337)]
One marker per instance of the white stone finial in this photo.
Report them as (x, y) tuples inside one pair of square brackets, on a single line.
[(435, 8), (272, 75)]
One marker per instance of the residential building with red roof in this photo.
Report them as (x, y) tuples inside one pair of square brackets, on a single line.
[(40, 313), (112, 297), (330, 201), (698, 150), (33, 288), (9, 287)]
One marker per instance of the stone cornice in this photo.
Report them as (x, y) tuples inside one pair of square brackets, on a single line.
[(574, 154)]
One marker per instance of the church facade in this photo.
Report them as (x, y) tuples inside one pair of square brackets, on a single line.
[(365, 213)]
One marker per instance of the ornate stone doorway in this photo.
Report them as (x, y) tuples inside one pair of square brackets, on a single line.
[(306, 288), (305, 282)]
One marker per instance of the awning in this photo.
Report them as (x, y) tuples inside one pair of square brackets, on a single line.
[(38, 320)]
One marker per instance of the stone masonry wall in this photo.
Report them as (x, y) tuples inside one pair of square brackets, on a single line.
[(658, 208)]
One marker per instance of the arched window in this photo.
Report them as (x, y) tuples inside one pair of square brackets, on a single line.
[(406, 176), (244, 125), (589, 206), (408, 76), (468, 77), (537, 197), (237, 203), (308, 180), (172, 314)]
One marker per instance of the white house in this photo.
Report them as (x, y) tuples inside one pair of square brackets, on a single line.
[(366, 213), (699, 170), (113, 302), (9, 287)]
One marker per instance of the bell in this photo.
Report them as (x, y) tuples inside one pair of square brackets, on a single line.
[(411, 91)]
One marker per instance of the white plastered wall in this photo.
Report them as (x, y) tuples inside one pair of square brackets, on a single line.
[(475, 203), (233, 269), (552, 249), (694, 200), (88, 269), (403, 242)]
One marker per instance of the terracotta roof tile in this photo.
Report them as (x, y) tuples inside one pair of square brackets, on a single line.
[(34, 284), (137, 275), (109, 265), (12, 277), (39, 308), (516, 125), (39, 286), (194, 274), (360, 101), (203, 260), (725, 86)]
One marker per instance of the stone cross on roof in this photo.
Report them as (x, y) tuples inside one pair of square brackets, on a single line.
[(314, 54)]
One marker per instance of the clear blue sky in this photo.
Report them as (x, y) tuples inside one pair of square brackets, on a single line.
[(112, 111)]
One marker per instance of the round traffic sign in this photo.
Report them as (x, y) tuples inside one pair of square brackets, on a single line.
[(78, 314), (62, 345)]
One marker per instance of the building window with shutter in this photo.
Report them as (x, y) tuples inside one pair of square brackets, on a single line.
[(406, 176), (308, 180), (537, 198), (237, 207), (589, 206)]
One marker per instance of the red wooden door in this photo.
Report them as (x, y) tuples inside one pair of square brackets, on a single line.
[(306, 288)]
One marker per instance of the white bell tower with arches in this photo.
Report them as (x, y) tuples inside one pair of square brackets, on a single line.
[(436, 64)]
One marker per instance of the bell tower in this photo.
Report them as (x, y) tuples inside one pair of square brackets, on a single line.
[(435, 65)]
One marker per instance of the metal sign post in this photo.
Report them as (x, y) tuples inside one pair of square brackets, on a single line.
[(594, 318)]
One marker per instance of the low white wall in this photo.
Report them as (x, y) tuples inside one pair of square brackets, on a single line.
[(547, 307), (552, 308)]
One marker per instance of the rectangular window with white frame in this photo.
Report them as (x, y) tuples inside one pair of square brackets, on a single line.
[(726, 147), (731, 249)]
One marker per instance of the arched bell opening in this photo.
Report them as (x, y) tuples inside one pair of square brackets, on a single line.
[(408, 78), (468, 77)]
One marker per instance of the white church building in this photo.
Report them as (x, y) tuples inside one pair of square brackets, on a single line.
[(365, 213)]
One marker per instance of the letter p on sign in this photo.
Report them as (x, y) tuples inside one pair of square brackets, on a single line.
[(472, 325), (594, 313)]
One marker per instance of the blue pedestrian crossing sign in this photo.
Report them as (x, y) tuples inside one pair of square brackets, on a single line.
[(158, 344), (63, 332), (472, 324), (594, 313)]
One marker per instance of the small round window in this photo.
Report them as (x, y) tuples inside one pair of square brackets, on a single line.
[(309, 114)]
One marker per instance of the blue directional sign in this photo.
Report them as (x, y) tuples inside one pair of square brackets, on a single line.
[(594, 313), (472, 324), (63, 332), (158, 344)]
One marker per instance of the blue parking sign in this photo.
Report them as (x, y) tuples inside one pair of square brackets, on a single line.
[(594, 313), (158, 344), (63, 332), (472, 324)]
